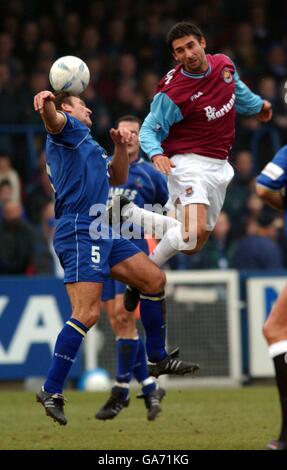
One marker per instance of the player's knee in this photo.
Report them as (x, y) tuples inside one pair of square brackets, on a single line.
[(195, 247), (194, 240), (270, 331), (124, 325), (157, 283), (88, 317)]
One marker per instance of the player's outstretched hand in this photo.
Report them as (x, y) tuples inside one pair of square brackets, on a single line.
[(163, 164), (40, 99), (266, 112), (121, 136)]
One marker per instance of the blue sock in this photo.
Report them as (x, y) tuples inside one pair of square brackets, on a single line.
[(66, 348), (148, 385), (140, 368), (126, 353), (141, 372), (152, 309)]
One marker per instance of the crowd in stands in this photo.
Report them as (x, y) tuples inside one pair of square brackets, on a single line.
[(123, 44)]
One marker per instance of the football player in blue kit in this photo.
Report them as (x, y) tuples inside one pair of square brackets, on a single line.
[(88, 250), (271, 188), (145, 185)]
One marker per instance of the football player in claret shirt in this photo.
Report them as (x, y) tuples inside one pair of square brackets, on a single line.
[(188, 135), (271, 187)]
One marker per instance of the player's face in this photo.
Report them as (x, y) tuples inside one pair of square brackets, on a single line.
[(190, 52), (80, 111), (134, 145)]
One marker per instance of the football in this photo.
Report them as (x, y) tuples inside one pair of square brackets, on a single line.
[(96, 380), (69, 74)]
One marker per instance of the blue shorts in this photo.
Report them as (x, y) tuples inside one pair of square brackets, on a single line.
[(83, 258), (112, 288)]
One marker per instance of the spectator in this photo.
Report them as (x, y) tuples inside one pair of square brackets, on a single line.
[(262, 247), (16, 241), (39, 195), (6, 194), (8, 173), (46, 261), (239, 190), (219, 249)]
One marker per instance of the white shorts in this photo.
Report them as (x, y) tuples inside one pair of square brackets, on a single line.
[(199, 180)]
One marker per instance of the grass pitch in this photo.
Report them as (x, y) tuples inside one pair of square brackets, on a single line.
[(206, 419)]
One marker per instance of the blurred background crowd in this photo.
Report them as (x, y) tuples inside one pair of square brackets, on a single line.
[(123, 44)]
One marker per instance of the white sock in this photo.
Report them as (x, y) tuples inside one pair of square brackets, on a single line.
[(171, 243), (278, 348), (152, 222)]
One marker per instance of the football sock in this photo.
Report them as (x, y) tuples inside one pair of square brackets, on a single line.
[(281, 379), (171, 243), (152, 311), (152, 222), (126, 354), (66, 348), (140, 367), (148, 385)]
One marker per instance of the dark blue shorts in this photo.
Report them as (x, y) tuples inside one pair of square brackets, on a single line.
[(111, 288), (86, 258)]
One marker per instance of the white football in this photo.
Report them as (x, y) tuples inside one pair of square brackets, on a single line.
[(96, 380), (69, 74)]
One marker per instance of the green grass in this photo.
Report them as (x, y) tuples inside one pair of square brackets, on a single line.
[(243, 418)]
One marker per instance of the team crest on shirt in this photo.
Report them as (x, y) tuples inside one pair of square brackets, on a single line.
[(138, 182), (227, 75)]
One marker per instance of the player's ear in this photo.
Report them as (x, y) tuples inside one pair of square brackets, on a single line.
[(174, 56), (66, 107), (203, 42)]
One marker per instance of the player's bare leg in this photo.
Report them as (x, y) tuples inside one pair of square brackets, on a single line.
[(194, 227), (85, 300), (131, 360), (275, 332), (142, 273), (188, 236)]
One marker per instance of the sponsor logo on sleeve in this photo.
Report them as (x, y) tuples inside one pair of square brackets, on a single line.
[(272, 171)]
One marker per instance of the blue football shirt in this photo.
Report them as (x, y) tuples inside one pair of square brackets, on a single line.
[(274, 175), (78, 169), (145, 185)]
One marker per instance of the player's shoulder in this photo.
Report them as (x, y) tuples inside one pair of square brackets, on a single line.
[(143, 166), (221, 62), (170, 80), (146, 168)]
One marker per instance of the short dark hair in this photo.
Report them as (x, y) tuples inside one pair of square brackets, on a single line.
[(129, 118), (63, 97), (179, 30)]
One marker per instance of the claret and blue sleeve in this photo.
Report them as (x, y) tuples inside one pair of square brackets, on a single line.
[(247, 102), (164, 113)]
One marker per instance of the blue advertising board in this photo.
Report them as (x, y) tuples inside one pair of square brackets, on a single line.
[(32, 313)]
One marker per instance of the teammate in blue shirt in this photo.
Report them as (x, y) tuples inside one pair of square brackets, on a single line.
[(88, 249), (145, 185), (271, 188)]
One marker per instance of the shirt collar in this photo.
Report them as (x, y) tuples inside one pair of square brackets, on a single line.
[(196, 75)]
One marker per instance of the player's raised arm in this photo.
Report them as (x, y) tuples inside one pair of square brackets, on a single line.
[(119, 167), (44, 104)]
